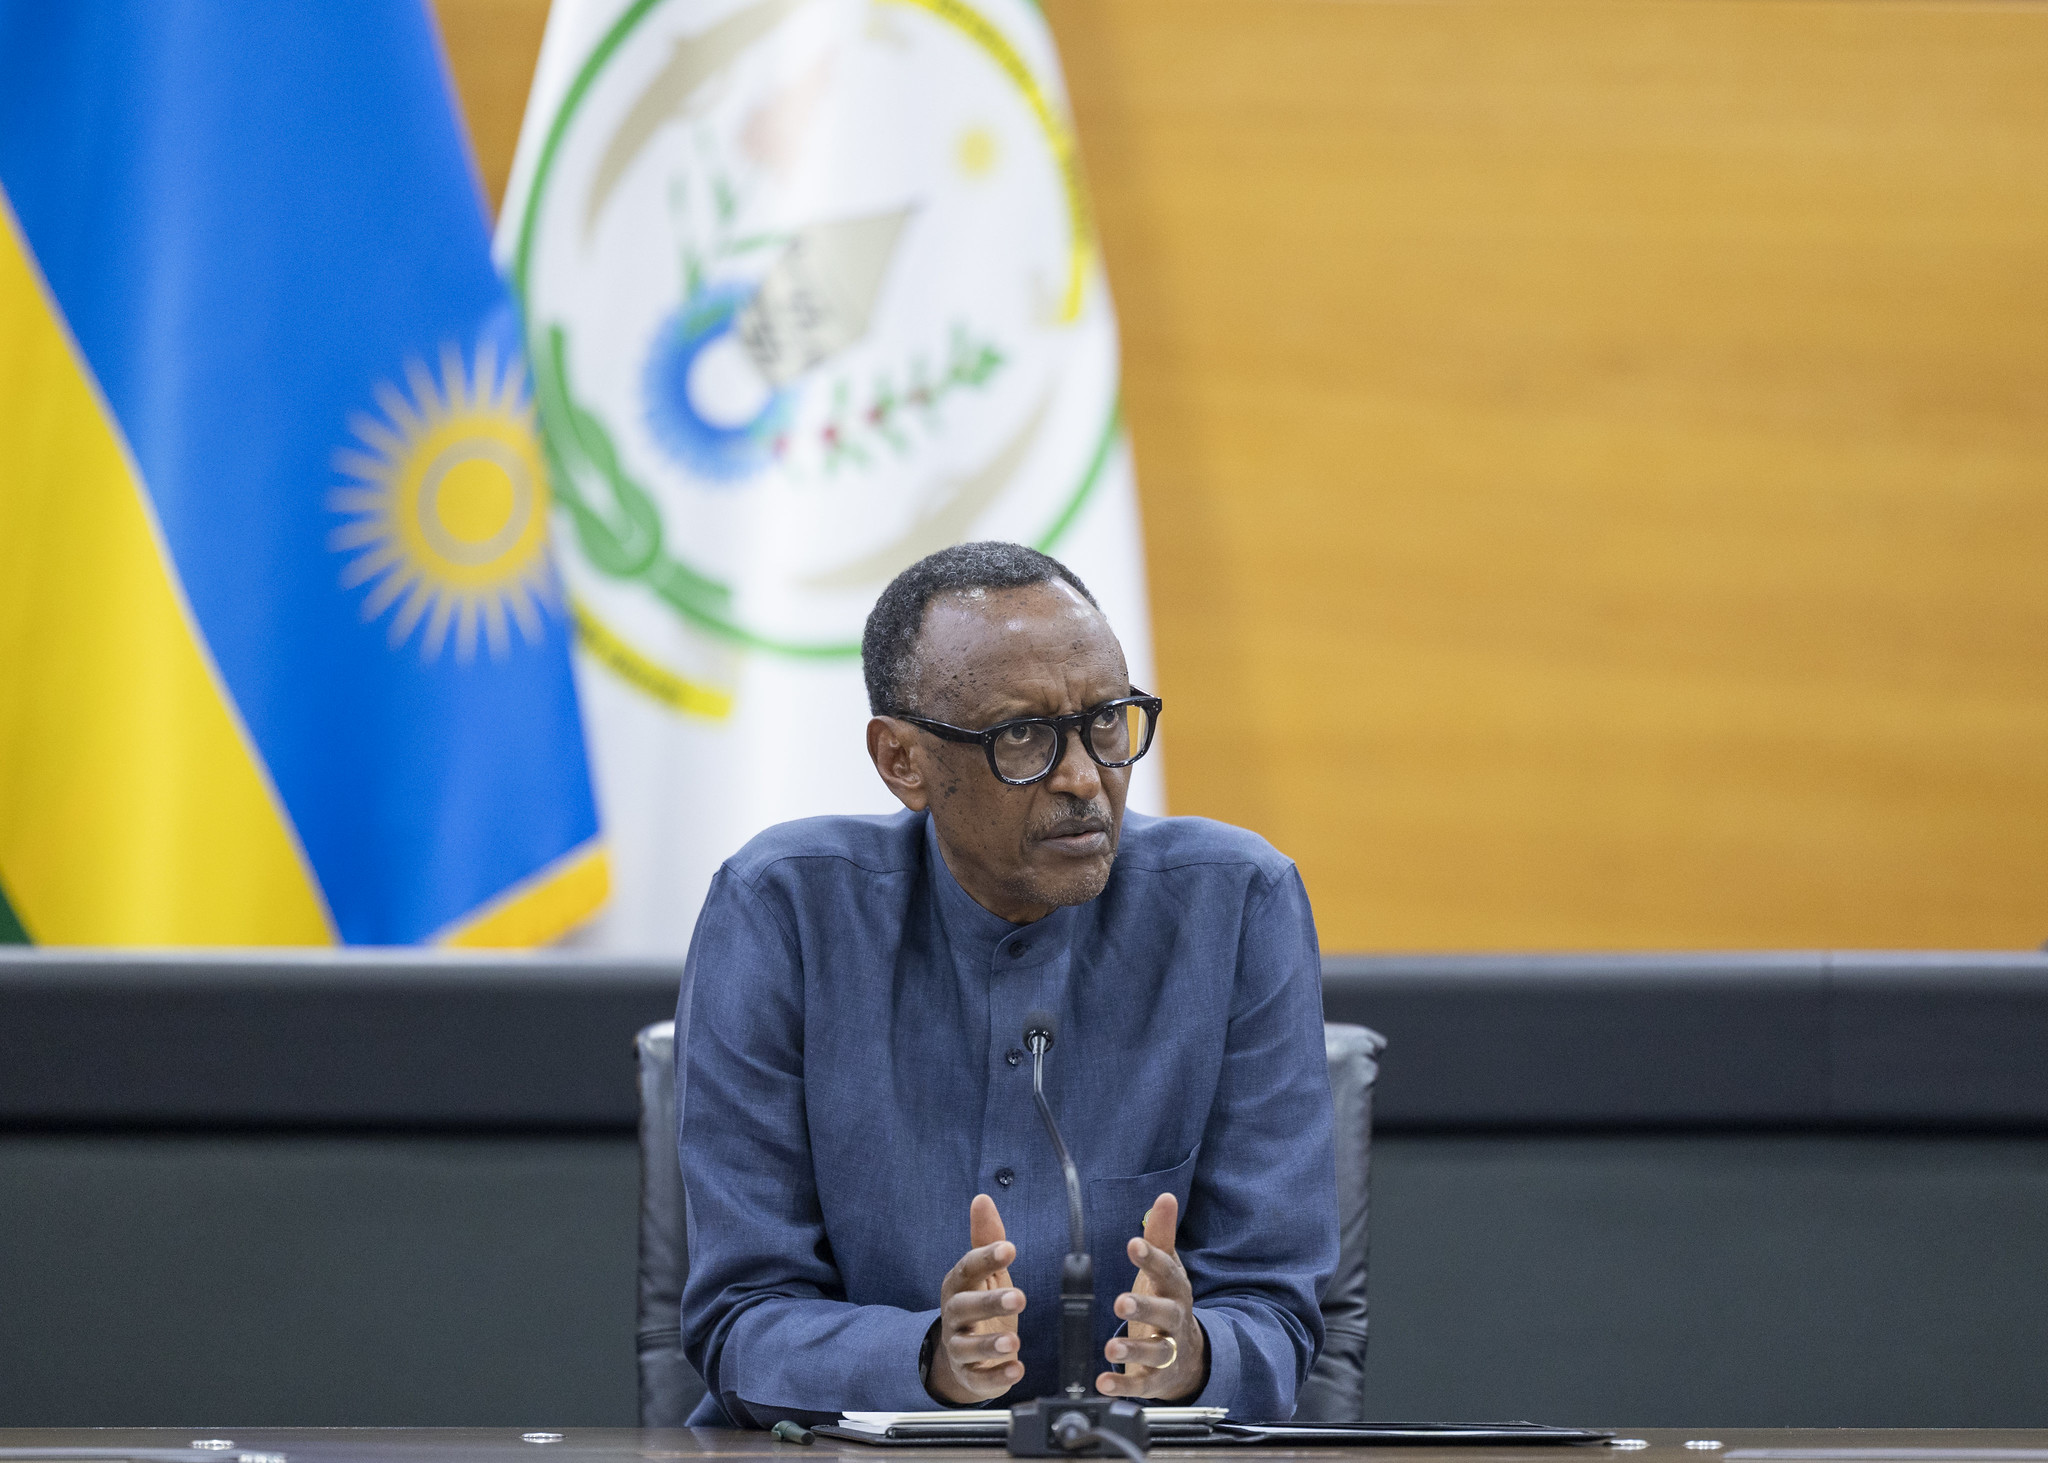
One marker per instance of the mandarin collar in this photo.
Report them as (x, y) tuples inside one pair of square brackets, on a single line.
[(985, 935)]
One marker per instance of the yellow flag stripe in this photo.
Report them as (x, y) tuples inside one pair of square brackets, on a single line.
[(635, 669), (540, 909), (133, 810)]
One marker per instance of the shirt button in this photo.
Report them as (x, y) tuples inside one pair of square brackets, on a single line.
[(1004, 1176), (1013, 1056), (1017, 950)]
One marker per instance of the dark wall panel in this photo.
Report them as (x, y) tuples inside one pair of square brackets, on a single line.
[(313, 1038), (317, 1280), (1800, 1039), (1728, 1280), (1635, 1280), (1810, 1039), (391, 1187)]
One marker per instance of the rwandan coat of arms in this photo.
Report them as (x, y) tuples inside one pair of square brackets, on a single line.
[(809, 292)]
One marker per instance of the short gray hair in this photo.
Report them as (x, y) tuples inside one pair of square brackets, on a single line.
[(888, 644)]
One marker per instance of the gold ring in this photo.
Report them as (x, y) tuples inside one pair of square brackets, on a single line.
[(1170, 1341)]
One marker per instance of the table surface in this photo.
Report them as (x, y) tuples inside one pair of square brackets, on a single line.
[(677, 1445)]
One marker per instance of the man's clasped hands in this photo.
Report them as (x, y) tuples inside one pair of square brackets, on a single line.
[(1164, 1352)]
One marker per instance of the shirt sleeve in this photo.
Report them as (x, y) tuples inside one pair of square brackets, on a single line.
[(1261, 1237), (764, 1316)]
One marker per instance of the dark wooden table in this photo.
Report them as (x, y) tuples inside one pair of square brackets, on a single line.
[(681, 1445)]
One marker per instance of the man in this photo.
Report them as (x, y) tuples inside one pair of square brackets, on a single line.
[(854, 1097)]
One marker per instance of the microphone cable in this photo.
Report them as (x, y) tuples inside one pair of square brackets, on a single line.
[(1076, 1228), (1039, 1034)]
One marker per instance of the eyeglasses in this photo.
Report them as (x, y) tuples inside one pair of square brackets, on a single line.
[(1021, 752)]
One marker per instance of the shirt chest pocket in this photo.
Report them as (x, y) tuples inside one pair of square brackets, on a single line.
[(1117, 1208)]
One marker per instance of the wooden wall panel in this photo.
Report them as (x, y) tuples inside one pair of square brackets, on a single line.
[(1595, 453), (492, 45), (1620, 429)]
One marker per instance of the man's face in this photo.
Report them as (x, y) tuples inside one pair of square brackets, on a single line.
[(993, 655)]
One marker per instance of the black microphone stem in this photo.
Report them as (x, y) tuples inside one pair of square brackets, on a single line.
[(1077, 1230), (1072, 1419)]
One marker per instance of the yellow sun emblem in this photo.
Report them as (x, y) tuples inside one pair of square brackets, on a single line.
[(447, 505)]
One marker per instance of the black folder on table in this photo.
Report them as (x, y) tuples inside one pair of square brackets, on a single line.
[(1406, 1433)]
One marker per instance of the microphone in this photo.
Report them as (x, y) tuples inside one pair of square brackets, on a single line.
[(1077, 1271), (1076, 1419)]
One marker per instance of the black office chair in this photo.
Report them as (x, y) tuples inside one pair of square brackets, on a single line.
[(670, 1387)]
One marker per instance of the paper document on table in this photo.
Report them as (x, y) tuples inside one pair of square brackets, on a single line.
[(879, 1423)]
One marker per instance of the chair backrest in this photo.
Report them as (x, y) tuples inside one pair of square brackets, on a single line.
[(1335, 1388), (670, 1387)]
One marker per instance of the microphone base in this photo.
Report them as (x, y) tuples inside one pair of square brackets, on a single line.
[(1035, 1426)]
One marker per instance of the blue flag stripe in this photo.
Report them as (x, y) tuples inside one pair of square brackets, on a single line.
[(255, 219)]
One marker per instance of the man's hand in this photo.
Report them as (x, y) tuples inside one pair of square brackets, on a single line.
[(1165, 1353), (976, 1357)]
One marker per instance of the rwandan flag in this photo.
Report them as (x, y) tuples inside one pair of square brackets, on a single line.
[(282, 655)]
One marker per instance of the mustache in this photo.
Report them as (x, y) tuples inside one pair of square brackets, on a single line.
[(1079, 815)]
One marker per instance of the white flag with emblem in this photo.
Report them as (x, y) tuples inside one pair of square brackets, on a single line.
[(810, 291)]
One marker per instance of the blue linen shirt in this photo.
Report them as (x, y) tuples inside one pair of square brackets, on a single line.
[(851, 1072)]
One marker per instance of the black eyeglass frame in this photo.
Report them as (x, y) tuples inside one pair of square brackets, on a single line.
[(1079, 722)]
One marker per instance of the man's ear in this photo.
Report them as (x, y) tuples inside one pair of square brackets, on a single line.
[(893, 752)]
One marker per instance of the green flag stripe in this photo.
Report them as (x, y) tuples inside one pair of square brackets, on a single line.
[(11, 932)]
